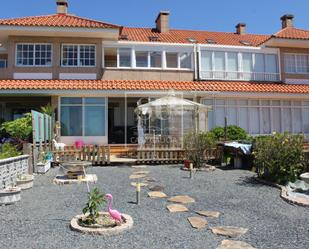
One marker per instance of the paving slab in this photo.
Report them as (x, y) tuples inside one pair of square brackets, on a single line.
[(141, 172), (183, 199), (197, 222), (174, 208), (156, 188), (150, 179), (156, 194), (232, 244), (211, 214), (142, 184), (137, 176), (229, 231)]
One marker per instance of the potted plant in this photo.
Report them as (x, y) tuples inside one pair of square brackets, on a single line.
[(43, 164), (24, 181), (10, 195)]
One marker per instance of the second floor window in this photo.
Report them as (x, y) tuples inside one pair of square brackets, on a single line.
[(296, 63), (3, 63), (31, 54), (74, 55)]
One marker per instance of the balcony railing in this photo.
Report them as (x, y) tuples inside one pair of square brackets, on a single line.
[(224, 75), (3, 63)]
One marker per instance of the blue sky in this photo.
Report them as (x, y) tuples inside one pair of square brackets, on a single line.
[(261, 16)]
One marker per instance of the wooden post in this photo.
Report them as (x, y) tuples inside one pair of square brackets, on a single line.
[(138, 193)]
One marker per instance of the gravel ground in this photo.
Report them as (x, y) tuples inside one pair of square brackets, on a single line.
[(41, 219)]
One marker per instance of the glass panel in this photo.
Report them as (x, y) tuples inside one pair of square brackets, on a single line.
[(71, 121), (99, 101), (220, 102), (306, 120), (110, 57), (254, 118), (232, 116), (265, 103), (155, 59), (266, 122), (141, 59), (302, 65), (220, 115), (208, 102), (206, 64), (247, 66), (243, 118), (259, 63), (271, 63), (172, 60), (232, 65), (185, 60), (297, 117), (94, 121), (243, 102), (219, 65), (70, 55), (276, 119), (287, 119), (124, 57), (69, 100), (289, 63), (87, 55)]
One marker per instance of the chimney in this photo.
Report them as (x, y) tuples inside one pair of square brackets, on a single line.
[(241, 29), (287, 21), (162, 22), (62, 6)]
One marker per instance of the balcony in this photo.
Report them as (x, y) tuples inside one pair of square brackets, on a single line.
[(244, 76)]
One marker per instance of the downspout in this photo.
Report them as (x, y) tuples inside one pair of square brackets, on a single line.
[(196, 62)]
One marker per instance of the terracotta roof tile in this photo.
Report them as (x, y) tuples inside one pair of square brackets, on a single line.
[(181, 36), (292, 33), (222, 86), (57, 20)]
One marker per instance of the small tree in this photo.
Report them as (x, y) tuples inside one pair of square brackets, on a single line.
[(196, 143), (95, 200), (233, 132), (48, 109)]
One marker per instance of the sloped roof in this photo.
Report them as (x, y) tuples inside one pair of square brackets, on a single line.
[(57, 20), (155, 85), (292, 33), (182, 36)]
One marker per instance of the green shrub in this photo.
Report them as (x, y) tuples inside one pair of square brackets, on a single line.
[(8, 150), (20, 129), (279, 157), (233, 132), (95, 199), (196, 143)]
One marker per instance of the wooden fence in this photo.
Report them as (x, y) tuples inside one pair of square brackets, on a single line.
[(98, 155), (160, 155)]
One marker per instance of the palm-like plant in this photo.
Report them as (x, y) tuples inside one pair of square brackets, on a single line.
[(95, 199), (48, 109)]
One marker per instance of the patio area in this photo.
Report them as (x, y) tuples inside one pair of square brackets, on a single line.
[(41, 219)]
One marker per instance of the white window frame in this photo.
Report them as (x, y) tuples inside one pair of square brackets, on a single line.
[(150, 49), (295, 55), (260, 106), (78, 55), (83, 105), (240, 72), (34, 58)]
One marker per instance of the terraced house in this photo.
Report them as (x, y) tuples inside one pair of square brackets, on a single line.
[(95, 74)]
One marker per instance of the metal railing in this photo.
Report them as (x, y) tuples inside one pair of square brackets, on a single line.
[(230, 75)]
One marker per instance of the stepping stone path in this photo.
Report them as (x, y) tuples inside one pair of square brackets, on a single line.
[(156, 194), (232, 244), (174, 208), (229, 231), (183, 199), (211, 214), (142, 184), (136, 176), (197, 222), (156, 188)]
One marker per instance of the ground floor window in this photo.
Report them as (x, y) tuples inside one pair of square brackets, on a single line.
[(260, 116), (83, 116)]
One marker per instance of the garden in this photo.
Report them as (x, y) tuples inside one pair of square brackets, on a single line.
[(224, 194)]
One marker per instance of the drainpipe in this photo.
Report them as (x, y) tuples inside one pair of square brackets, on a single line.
[(196, 62)]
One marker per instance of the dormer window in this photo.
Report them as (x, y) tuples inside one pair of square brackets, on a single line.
[(33, 55), (192, 40), (154, 38), (211, 41), (246, 43)]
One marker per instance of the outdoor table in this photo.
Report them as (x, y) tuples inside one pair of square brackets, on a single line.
[(75, 168)]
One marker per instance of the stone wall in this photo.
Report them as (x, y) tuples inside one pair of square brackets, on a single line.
[(12, 167)]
